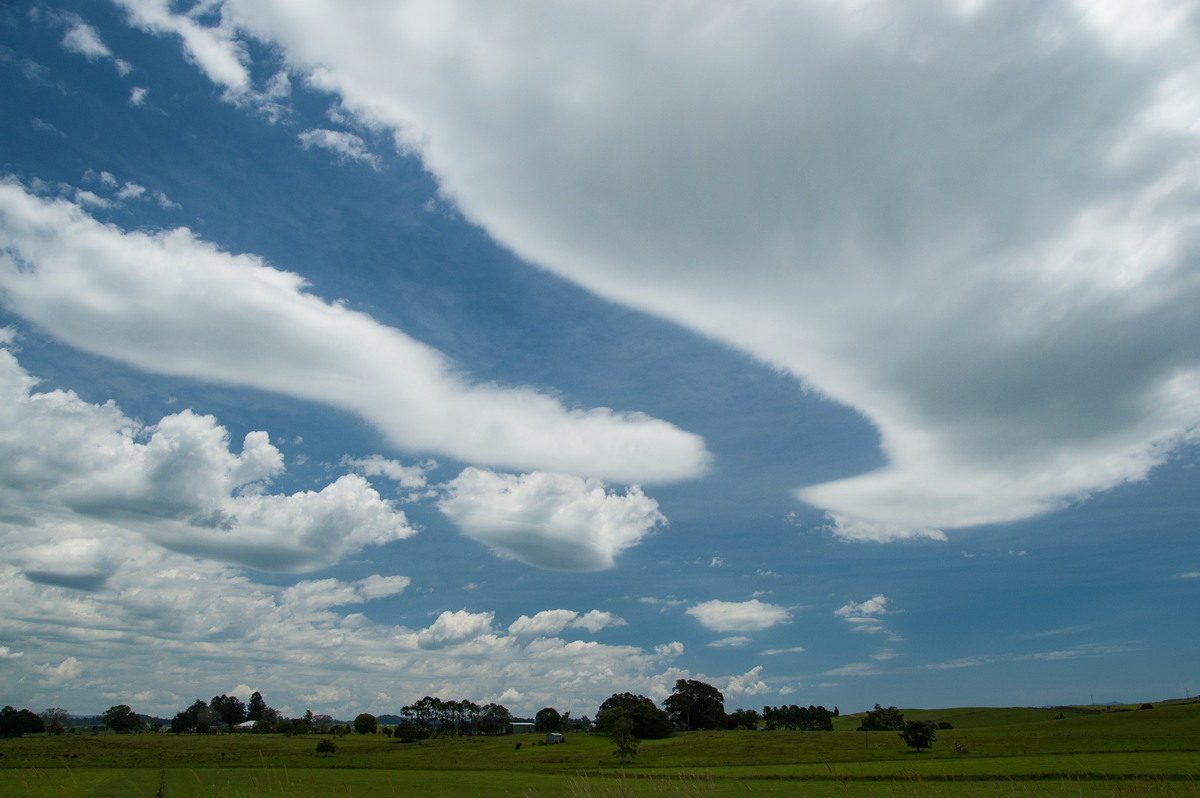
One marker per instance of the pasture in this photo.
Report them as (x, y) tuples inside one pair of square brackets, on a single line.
[(1010, 752)]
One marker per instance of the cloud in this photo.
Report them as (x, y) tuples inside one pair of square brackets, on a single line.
[(348, 146), (730, 642), (551, 622), (866, 616), (553, 521), (85, 40), (402, 475), (974, 227), (170, 303), (738, 616), (65, 462), (748, 683), (771, 652), (855, 669), (215, 50), (456, 627)]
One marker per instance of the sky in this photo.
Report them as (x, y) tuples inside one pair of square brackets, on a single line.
[(834, 352)]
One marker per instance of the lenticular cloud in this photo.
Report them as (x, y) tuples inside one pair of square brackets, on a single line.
[(976, 226)]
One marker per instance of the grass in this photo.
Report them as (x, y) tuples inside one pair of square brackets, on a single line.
[(1012, 752)]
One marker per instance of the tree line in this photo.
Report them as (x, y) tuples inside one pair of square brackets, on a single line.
[(626, 717)]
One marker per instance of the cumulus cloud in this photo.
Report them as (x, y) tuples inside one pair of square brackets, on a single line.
[(554, 521), (551, 622), (867, 616), (738, 616), (171, 303), (64, 461), (455, 627), (974, 227)]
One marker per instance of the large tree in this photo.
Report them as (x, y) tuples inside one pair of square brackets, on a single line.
[(55, 719), (880, 719), (696, 705), (494, 719), (228, 709), (121, 718), (547, 720), (649, 722), (15, 722), (366, 723), (257, 706), (918, 734)]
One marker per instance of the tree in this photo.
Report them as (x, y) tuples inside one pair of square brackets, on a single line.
[(55, 719), (494, 719), (623, 738), (742, 719), (407, 732), (918, 734), (795, 717), (326, 747), (120, 718), (227, 709), (15, 722), (547, 720), (649, 722), (257, 707), (695, 705), (365, 723), (880, 719), (319, 723)]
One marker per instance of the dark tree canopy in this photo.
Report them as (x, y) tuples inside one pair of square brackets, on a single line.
[(257, 707), (547, 720), (918, 734), (880, 719), (15, 722), (365, 723), (121, 718), (227, 709), (696, 705), (798, 718), (494, 719)]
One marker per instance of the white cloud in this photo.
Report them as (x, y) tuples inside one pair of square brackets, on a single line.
[(377, 466), (65, 462), (456, 627), (552, 622), (730, 642), (214, 49), (171, 303), (855, 669), (553, 521), (54, 675), (348, 146), (776, 651), (83, 39), (138, 95), (738, 616), (748, 683), (866, 616), (891, 207)]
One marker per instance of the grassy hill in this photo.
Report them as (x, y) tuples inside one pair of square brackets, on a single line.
[(1011, 751)]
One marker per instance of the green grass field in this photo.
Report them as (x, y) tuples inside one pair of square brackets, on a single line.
[(1011, 752)]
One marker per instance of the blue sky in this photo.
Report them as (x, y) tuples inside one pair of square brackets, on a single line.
[(831, 353)]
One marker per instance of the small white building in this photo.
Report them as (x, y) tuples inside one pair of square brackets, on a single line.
[(555, 737)]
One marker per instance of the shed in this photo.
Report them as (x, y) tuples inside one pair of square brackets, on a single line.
[(522, 727), (554, 737)]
